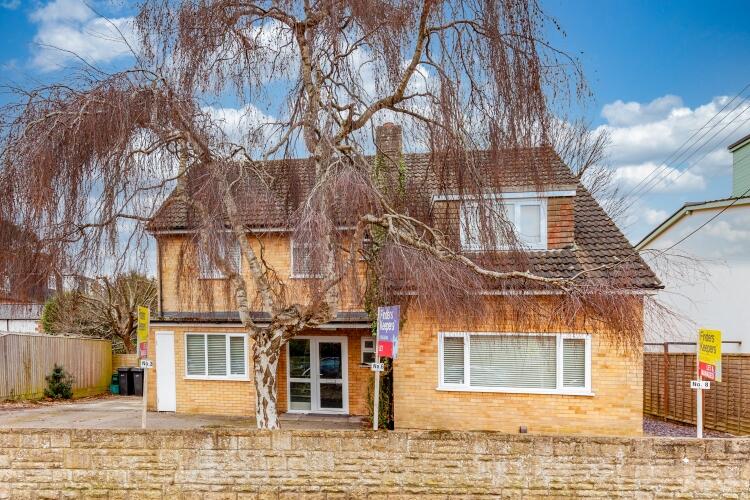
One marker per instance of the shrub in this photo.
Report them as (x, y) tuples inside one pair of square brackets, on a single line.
[(59, 384)]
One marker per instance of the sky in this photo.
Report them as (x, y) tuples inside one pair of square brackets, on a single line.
[(657, 71)]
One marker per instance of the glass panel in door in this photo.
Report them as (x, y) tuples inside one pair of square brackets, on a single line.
[(300, 382), (331, 375)]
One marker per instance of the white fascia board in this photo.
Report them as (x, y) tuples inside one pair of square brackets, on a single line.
[(507, 195), (258, 230)]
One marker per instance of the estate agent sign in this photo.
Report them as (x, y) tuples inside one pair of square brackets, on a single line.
[(387, 342), (388, 331), (142, 332), (709, 355)]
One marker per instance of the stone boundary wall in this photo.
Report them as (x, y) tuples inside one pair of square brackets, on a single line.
[(233, 464)]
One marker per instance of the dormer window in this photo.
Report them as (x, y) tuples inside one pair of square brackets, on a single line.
[(527, 217)]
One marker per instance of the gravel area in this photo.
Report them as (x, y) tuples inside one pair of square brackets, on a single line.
[(657, 427)]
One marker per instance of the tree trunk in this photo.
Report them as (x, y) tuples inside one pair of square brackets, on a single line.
[(266, 354), (127, 342)]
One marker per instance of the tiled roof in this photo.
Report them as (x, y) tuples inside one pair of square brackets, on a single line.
[(600, 247)]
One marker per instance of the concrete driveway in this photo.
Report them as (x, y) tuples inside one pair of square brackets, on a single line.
[(124, 412)]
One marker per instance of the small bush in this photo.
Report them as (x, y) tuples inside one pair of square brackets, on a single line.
[(59, 384)]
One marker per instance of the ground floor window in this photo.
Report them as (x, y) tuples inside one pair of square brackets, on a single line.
[(525, 363), (216, 355), (368, 350)]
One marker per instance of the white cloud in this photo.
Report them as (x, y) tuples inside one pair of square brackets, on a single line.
[(62, 10), (621, 113), (654, 216), (10, 4), (246, 125), (648, 134), (69, 29), (667, 179)]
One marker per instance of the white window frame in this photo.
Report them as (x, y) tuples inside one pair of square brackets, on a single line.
[(216, 273), (363, 349), (294, 275), (314, 379), (229, 376), (560, 389), (517, 203)]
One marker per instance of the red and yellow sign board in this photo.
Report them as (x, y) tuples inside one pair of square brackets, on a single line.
[(142, 331), (709, 354)]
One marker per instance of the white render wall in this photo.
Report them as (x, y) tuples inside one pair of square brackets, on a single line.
[(717, 295), (18, 325)]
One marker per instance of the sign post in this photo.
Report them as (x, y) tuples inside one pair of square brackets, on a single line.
[(142, 337), (708, 366), (386, 343)]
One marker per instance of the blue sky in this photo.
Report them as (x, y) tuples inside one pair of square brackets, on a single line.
[(658, 72)]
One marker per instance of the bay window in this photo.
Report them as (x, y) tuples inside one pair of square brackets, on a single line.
[(524, 363)]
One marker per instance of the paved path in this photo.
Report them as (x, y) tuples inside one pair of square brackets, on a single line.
[(124, 412)]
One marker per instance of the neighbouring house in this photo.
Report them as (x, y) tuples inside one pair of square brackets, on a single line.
[(448, 375), (23, 287), (713, 237), (21, 318)]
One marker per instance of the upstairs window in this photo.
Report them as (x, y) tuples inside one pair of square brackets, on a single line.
[(302, 260), (524, 363), (209, 271), (527, 217)]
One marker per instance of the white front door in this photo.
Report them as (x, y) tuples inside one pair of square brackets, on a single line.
[(166, 392), (317, 375)]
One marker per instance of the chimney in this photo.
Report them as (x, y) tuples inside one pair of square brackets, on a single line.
[(388, 155)]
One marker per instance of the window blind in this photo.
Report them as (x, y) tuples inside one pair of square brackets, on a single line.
[(301, 259), (196, 355), (453, 360), (217, 355), (209, 271), (513, 361), (574, 363), (213, 354), (237, 355), (530, 224)]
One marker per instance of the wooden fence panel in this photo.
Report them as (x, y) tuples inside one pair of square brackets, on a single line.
[(667, 393), (26, 359)]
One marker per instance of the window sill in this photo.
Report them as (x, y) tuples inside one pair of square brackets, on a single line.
[(365, 365), (219, 379), (509, 390)]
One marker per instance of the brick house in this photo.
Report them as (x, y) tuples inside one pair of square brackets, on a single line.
[(448, 375)]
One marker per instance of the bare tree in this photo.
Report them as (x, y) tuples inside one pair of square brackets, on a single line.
[(473, 82), (108, 309)]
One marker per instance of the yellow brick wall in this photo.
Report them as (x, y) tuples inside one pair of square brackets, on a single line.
[(615, 409), (212, 397), (225, 397), (182, 290)]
